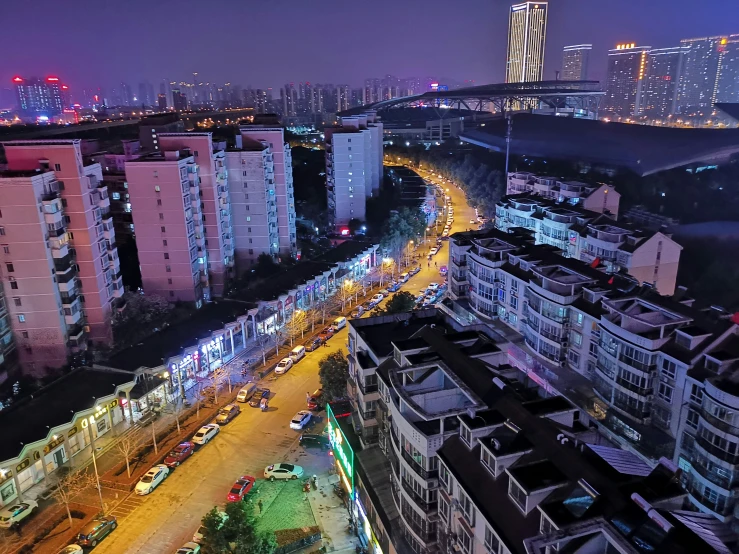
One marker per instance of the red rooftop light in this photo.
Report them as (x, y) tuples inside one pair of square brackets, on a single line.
[(52, 79), (17, 80)]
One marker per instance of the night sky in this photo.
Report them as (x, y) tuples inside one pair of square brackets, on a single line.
[(268, 43)]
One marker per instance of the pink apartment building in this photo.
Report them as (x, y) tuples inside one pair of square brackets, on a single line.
[(60, 266), (214, 202), (164, 191), (283, 182)]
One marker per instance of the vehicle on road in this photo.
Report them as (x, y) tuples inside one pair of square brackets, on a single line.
[(415, 270), (246, 392), (394, 288), (283, 471), (71, 549), (227, 413), (297, 353), (179, 454), (314, 441), (240, 488), (315, 402), (403, 277), (206, 433), (197, 537), (339, 323), (189, 548), (256, 400), (16, 513), (312, 344), (95, 531), (428, 302), (384, 292), (152, 479), (433, 286), (433, 251), (326, 333), (300, 420), (357, 312), (284, 366), (376, 299)]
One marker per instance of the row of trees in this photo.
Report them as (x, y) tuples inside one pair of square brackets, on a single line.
[(401, 227)]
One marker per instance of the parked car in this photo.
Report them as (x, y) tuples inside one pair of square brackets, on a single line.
[(394, 288), (433, 251), (300, 420), (312, 344), (240, 488), (256, 399), (206, 433), (315, 402), (284, 366), (16, 513), (283, 471), (246, 392), (95, 531), (227, 413), (376, 299), (314, 441), (189, 548), (357, 312), (415, 270), (152, 479), (384, 292), (433, 286), (327, 333), (179, 454)]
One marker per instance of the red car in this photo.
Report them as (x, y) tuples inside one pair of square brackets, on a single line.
[(180, 453), (315, 402), (240, 488)]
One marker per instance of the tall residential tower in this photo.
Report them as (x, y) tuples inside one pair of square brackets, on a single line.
[(575, 61), (627, 69), (527, 29)]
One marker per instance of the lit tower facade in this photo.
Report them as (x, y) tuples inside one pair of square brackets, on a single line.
[(665, 70), (575, 61), (701, 68), (625, 80), (527, 29)]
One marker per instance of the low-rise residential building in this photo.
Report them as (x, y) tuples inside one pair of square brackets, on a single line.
[(649, 256), (165, 200), (60, 261), (601, 198)]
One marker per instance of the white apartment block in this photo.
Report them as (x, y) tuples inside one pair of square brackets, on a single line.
[(283, 183), (661, 373), (251, 170), (599, 198), (649, 256), (214, 202), (164, 191)]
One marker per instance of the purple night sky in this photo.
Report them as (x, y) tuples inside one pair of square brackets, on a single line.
[(101, 42)]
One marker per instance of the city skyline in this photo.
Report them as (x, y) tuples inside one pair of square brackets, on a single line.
[(107, 64)]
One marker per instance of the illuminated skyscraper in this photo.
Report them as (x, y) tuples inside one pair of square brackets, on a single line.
[(728, 77), (575, 61), (43, 96), (664, 69), (527, 29), (627, 70), (699, 81)]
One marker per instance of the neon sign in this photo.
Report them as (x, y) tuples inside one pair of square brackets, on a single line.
[(341, 449)]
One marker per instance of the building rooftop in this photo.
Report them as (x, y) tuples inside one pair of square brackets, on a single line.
[(537, 475), (32, 418), (10, 174)]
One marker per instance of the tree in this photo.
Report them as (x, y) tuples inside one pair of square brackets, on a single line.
[(345, 292), (333, 372), (68, 487), (354, 225), (400, 302), (126, 446), (234, 531), (386, 270), (295, 325), (312, 315), (266, 265), (140, 316)]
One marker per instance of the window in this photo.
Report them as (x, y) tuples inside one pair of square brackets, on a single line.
[(696, 394), (169, 269), (10, 268), (443, 510), (17, 301), (692, 419), (166, 255), (577, 319), (156, 188), (514, 302), (161, 217), (6, 249), (488, 460), (501, 295), (2, 231), (669, 369), (159, 201), (13, 284), (169, 281), (24, 334), (164, 242), (22, 318), (57, 167), (171, 293), (444, 478), (465, 540), (492, 543), (574, 358), (514, 285), (248, 218), (466, 434), (164, 229), (517, 494), (465, 505)]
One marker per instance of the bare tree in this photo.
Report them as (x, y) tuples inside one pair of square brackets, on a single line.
[(346, 291), (312, 315), (295, 325), (386, 270), (69, 486), (126, 446)]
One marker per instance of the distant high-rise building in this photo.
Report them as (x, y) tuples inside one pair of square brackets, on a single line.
[(372, 91), (664, 69), (575, 61), (41, 96), (127, 95), (146, 95), (699, 83), (527, 29), (728, 77), (162, 102), (289, 100), (179, 100), (343, 97), (316, 100), (627, 69)]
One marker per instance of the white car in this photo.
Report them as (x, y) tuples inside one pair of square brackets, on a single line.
[(300, 420), (189, 548), (152, 479), (206, 433), (17, 512), (433, 286), (473, 221), (284, 366), (433, 251), (283, 471), (245, 393), (376, 299)]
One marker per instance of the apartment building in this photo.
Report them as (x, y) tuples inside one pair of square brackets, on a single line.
[(601, 198), (649, 256), (251, 169), (353, 166), (215, 203), (164, 191), (60, 262), (283, 182)]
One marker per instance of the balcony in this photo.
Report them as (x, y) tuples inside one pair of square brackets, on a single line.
[(69, 298), (118, 283), (56, 230), (72, 317), (420, 471), (726, 482), (719, 423), (222, 192), (75, 336), (641, 391), (419, 530), (719, 506), (426, 507), (109, 231), (638, 414), (713, 450), (63, 264), (61, 251), (106, 214)]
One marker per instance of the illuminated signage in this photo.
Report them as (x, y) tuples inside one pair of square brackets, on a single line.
[(341, 449), (344, 232), (625, 46)]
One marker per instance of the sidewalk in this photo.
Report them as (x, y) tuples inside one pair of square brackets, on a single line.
[(332, 517)]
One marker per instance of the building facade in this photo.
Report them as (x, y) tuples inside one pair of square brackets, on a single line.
[(728, 77), (575, 62), (664, 74), (164, 191), (43, 97), (625, 80), (699, 83), (60, 260), (527, 30)]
